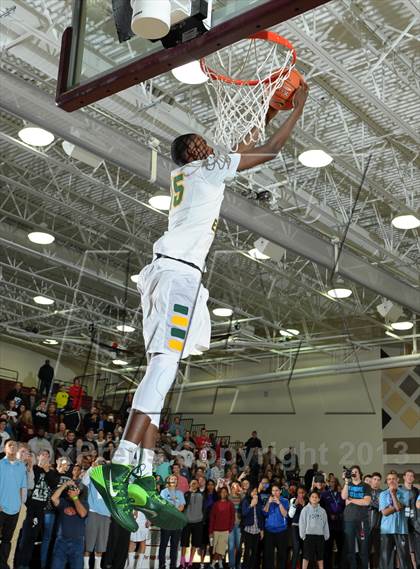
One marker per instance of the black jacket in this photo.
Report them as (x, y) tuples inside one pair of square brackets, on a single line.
[(253, 443), (46, 372)]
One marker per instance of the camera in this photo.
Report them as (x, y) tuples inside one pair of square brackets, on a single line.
[(72, 488), (347, 472)]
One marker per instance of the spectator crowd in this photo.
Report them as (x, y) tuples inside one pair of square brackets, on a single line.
[(246, 508)]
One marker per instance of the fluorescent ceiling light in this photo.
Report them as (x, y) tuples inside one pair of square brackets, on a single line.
[(160, 202), (41, 238), (406, 222), (125, 328), (49, 342), (222, 312), (315, 158), (43, 300), (339, 293), (289, 332), (134, 278), (35, 136), (402, 325), (81, 154), (190, 73), (119, 362), (256, 254)]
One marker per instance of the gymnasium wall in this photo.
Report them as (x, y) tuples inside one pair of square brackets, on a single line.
[(331, 419), (27, 361), (401, 415)]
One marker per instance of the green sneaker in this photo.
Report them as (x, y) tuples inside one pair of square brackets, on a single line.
[(111, 481), (157, 510)]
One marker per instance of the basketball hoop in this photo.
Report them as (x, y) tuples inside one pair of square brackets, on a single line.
[(267, 61)]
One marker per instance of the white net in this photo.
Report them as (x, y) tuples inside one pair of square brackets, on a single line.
[(261, 67)]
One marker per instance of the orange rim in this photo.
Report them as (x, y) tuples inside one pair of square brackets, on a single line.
[(264, 36)]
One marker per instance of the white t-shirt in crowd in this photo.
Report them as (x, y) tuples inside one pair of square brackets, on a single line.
[(197, 191)]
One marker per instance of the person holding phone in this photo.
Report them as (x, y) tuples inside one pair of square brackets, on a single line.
[(72, 512), (296, 506), (275, 529), (357, 497), (43, 485), (253, 528)]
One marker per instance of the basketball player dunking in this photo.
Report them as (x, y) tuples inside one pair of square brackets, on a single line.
[(176, 321)]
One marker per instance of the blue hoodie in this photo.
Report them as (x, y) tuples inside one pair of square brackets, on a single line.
[(274, 521)]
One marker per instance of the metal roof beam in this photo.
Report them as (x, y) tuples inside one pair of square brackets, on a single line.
[(280, 230), (350, 79), (22, 99), (413, 6)]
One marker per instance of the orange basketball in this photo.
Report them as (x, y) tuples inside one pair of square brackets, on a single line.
[(282, 100)]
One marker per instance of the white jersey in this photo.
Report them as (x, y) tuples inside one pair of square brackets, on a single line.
[(197, 191)]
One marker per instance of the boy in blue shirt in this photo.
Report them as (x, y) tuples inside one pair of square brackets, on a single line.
[(176, 498), (394, 530), (275, 529), (13, 485)]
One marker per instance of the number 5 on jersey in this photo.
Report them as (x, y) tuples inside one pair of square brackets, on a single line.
[(177, 189)]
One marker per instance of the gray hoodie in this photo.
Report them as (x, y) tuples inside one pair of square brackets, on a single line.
[(313, 521)]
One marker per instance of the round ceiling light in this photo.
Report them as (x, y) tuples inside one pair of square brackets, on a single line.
[(35, 136), (190, 73), (160, 202), (43, 300), (315, 158), (125, 328), (50, 342), (402, 325), (256, 254), (41, 238), (226, 312), (339, 293), (119, 362), (406, 222)]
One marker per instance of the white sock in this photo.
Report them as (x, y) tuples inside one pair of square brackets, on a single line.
[(125, 453), (86, 562), (98, 562), (220, 564), (140, 560), (131, 559), (147, 462)]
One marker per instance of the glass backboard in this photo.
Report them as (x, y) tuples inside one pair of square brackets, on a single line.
[(98, 60)]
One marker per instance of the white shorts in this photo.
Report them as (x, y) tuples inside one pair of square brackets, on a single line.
[(176, 319), (143, 532)]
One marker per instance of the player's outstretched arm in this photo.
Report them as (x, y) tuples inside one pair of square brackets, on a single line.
[(266, 152)]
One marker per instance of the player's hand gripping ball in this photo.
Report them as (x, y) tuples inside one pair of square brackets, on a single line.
[(282, 100)]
